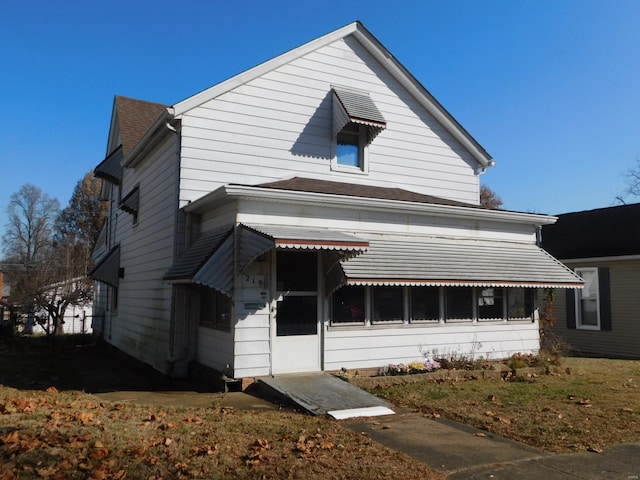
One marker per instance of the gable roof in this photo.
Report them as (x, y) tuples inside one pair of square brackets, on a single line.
[(354, 190), (380, 53), (603, 232), (135, 118)]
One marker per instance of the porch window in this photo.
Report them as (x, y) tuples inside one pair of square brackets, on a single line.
[(490, 304), (519, 303), (348, 305), (388, 304), (425, 304), (215, 309), (459, 303)]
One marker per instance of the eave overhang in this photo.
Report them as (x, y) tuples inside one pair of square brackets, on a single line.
[(230, 193)]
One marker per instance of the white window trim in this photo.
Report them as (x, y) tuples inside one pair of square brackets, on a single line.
[(578, 301)]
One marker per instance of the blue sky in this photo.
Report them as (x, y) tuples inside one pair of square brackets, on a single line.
[(548, 87)]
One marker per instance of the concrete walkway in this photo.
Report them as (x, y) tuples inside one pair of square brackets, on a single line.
[(465, 453)]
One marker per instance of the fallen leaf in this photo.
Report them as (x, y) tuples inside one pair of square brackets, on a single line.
[(52, 389), (99, 453)]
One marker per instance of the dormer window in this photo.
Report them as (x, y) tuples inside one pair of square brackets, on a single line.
[(356, 122)]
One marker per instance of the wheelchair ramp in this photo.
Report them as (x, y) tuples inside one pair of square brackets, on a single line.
[(325, 394)]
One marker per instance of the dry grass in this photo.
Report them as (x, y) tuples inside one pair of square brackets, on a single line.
[(68, 434), (591, 403)]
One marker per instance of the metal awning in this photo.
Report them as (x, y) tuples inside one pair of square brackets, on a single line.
[(131, 201), (110, 168), (208, 261), (257, 239), (454, 262), (356, 107), (108, 269)]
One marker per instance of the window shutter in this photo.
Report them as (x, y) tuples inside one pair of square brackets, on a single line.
[(605, 298), (571, 308)]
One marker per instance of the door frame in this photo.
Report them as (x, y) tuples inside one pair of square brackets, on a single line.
[(279, 345)]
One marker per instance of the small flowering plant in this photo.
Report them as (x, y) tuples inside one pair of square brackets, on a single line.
[(413, 367)]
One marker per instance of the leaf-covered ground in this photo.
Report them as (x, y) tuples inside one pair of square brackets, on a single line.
[(586, 405), (60, 432)]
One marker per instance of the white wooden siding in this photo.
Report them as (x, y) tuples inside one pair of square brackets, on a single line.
[(370, 222), (278, 126), (378, 347), (141, 326)]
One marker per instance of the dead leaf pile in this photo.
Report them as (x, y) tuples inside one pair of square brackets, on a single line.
[(308, 446), (256, 455)]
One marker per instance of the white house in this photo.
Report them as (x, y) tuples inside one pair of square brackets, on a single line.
[(319, 211)]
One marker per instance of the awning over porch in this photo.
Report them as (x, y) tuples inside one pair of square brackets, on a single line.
[(107, 270), (257, 239), (208, 261), (453, 262)]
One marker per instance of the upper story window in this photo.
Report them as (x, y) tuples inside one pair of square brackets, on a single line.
[(356, 122), (349, 148)]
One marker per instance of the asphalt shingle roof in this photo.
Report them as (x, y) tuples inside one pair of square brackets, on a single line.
[(603, 232), (339, 188), (135, 117)]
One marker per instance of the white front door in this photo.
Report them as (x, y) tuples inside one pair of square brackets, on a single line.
[(295, 325)]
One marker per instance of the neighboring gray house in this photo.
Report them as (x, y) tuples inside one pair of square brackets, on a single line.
[(319, 211), (603, 246)]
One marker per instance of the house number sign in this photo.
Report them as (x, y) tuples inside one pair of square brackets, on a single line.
[(256, 281)]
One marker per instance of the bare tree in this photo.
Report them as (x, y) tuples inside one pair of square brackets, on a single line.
[(76, 231), (632, 179), (28, 239), (489, 199)]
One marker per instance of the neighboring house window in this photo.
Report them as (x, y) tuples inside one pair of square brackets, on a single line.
[(215, 309), (425, 304), (589, 308), (587, 313)]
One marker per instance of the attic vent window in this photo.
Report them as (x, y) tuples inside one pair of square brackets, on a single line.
[(356, 122)]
